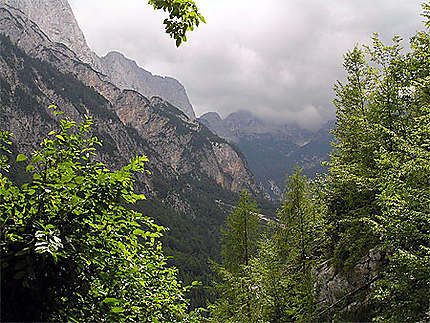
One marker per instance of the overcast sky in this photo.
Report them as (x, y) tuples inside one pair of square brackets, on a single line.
[(276, 58)]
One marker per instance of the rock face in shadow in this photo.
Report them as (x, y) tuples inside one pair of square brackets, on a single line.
[(55, 18), (345, 294)]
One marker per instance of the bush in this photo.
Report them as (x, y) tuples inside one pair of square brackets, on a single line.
[(71, 249)]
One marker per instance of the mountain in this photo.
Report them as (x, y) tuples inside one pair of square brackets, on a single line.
[(55, 18), (192, 169), (126, 74), (272, 150)]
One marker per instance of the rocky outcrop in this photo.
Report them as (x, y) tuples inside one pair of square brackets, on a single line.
[(344, 294), (126, 74), (55, 19)]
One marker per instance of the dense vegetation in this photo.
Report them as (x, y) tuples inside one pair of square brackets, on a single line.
[(374, 201), (72, 249), (75, 248)]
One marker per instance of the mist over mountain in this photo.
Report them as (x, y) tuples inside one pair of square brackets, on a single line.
[(273, 150)]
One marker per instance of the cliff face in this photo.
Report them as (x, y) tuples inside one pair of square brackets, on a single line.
[(346, 294), (55, 19), (182, 145), (126, 74)]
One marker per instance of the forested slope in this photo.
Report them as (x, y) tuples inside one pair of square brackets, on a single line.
[(190, 167)]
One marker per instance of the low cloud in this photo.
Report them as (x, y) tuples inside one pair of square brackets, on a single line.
[(278, 59)]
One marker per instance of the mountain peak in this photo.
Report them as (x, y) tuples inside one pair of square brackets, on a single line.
[(56, 19), (211, 116), (127, 74)]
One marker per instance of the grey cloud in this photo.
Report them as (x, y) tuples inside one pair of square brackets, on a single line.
[(276, 58)]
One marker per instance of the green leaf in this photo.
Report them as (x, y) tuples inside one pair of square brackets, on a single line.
[(21, 158), (79, 180), (117, 309), (29, 168), (73, 320), (109, 300), (139, 232)]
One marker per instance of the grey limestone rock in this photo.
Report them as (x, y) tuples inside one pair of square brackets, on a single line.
[(126, 74), (56, 19), (177, 145)]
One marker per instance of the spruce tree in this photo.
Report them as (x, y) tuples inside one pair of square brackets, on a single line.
[(236, 302)]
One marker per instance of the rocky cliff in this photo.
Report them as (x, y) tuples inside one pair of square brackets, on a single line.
[(345, 295), (163, 127), (191, 167), (126, 74), (55, 18)]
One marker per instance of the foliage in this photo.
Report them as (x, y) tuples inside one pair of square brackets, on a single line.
[(183, 16), (276, 283), (297, 234), (239, 239), (379, 193), (71, 247), (239, 245)]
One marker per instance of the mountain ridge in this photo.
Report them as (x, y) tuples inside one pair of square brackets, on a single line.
[(56, 19), (191, 167)]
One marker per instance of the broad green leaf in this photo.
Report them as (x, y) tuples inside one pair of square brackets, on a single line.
[(139, 232), (21, 158), (117, 309), (109, 300)]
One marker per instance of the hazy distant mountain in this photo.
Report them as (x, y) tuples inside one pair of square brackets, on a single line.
[(55, 18), (273, 150)]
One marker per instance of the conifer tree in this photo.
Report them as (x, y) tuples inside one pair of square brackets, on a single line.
[(239, 238), (296, 235), (236, 302)]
